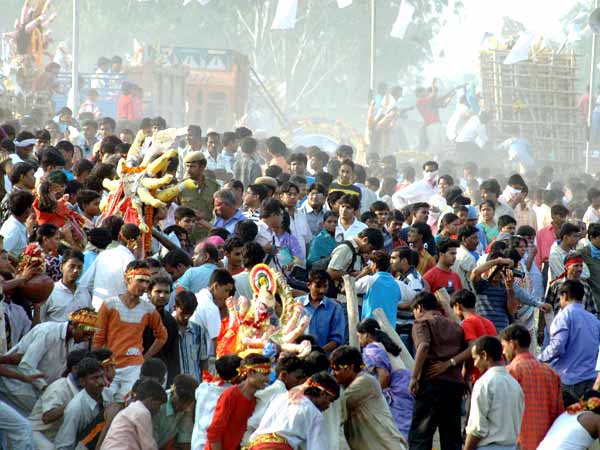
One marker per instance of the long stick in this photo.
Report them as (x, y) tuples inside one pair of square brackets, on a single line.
[(386, 326), (352, 305)]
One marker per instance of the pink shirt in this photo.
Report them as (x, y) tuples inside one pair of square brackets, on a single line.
[(545, 238), (131, 429)]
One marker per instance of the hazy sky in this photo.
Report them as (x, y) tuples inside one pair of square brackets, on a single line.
[(461, 36)]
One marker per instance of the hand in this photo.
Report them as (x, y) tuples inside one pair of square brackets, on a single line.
[(413, 386), (438, 368), (509, 279), (546, 307), (13, 359), (30, 271), (532, 251), (31, 378), (505, 262)]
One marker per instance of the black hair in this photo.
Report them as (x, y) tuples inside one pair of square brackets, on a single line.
[(46, 230), (150, 389), (593, 230), (72, 253), (248, 145), (409, 254), (465, 298), (568, 228), (347, 356), (423, 229), (184, 212), (559, 210), (445, 244), (317, 187), (379, 206), (221, 277), (185, 387), (187, 301), (491, 185), (270, 207), (318, 276), (258, 189), (325, 380), (101, 354), (65, 146), (19, 170), (175, 257), (345, 151), (232, 242), (253, 359), (159, 279), (73, 187), (289, 363), (574, 290), (154, 368), (381, 260), (88, 366), (334, 197), (426, 300), (211, 250), (370, 326), (516, 332), (86, 196), (367, 215), (273, 172), (431, 163), (298, 158), (19, 202), (306, 337), (136, 264), (246, 230), (82, 166), (130, 231), (447, 219), (99, 237), (491, 345), (252, 254), (466, 231), (276, 146), (506, 220), (74, 357), (223, 233), (227, 366), (374, 237)]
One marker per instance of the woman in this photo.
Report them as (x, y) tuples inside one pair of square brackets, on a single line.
[(577, 428), (487, 222), (448, 227), (289, 251), (323, 243), (381, 359), (44, 252)]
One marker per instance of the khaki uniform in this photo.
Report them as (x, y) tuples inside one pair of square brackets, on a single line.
[(201, 201)]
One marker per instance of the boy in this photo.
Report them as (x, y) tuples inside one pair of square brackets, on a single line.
[(348, 225), (211, 311), (345, 179), (233, 251), (89, 204), (185, 218), (122, 320), (237, 403), (507, 225), (192, 337)]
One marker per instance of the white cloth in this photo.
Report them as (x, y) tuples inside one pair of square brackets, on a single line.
[(242, 285), (207, 396), (124, 380), (566, 433), (300, 229), (79, 413), (14, 233), (57, 395), (457, 120), (63, 301), (264, 398), (285, 15), (301, 423), (346, 234), (367, 197), (464, 265), (473, 131), (497, 405), (105, 278), (419, 191), (19, 323), (208, 316), (591, 216)]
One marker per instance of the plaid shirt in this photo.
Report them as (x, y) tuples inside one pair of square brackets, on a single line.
[(543, 398), (589, 301), (246, 169)]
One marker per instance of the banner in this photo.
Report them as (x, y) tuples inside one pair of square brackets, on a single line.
[(403, 20), (520, 51)]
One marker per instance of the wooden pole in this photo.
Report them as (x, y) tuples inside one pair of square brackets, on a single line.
[(352, 305), (386, 326)]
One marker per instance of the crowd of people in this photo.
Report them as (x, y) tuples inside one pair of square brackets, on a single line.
[(478, 292)]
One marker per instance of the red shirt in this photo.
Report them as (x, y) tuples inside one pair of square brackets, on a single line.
[(440, 278), (125, 108), (474, 327), (543, 398), (428, 110), (545, 238), (230, 419)]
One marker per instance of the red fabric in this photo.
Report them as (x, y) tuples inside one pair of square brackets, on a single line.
[(474, 327), (439, 278), (543, 398), (271, 446), (230, 419), (545, 238), (428, 110), (125, 108)]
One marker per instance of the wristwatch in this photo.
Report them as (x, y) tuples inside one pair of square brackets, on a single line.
[(452, 362)]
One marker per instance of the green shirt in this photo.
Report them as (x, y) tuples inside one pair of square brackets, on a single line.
[(201, 201), (168, 424)]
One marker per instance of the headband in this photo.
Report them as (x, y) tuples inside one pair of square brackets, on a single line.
[(571, 260), (142, 274), (260, 368), (85, 319), (584, 405), (25, 143), (310, 383)]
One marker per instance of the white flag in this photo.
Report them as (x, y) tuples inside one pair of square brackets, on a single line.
[(343, 3), (285, 15), (520, 51), (405, 15)]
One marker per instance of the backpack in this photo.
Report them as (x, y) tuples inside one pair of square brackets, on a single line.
[(323, 264)]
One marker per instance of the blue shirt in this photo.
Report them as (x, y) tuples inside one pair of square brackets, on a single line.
[(320, 247), (230, 223), (326, 320), (384, 293), (196, 278), (573, 347)]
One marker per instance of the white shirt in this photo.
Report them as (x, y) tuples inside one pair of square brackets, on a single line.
[(17, 320), (419, 191), (591, 216), (464, 265), (105, 278), (473, 131), (367, 197), (264, 398), (346, 234), (300, 229), (57, 395), (14, 233), (497, 405), (63, 301), (301, 423), (457, 121), (207, 395), (208, 316)]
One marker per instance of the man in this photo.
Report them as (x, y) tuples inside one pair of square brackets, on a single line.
[(66, 296), (370, 423), (297, 421), (14, 230), (131, 429), (213, 155), (44, 350), (233, 249), (568, 236), (246, 167), (236, 404), (344, 182), (437, 399), (326, 316), (159, 291), (420, 214), (192, 337), (418, 233), (540, 384), (194, 144), (289, 193), (490, 190), (381, 290), (192, 279), (227, 156), (252, 254), (547, 235), (88, 138), (24, 143), (348, 225), (442, 276), (497, 401), (382, 212), (199, 199), (105, 277), (298, 162), (419, 191), (573, 347), (22, 179), (428, 104), (121, 323), (253, 197), (573, 271), (271, 218), (86, 407), (174, 423), (591, 257), (226, 212), (466, 255)]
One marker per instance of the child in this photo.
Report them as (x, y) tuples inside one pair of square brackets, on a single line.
[(89, 204), (186, 218), (487, 223), (507, 225)]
